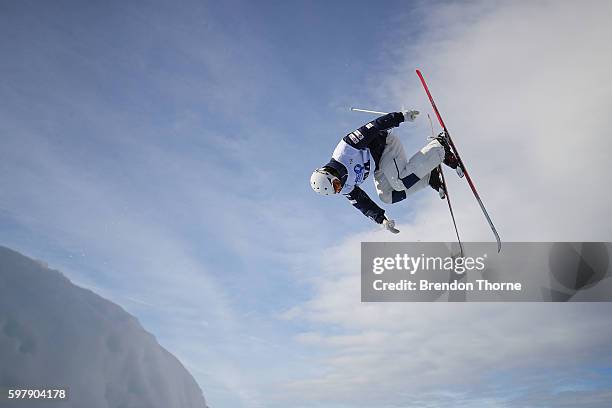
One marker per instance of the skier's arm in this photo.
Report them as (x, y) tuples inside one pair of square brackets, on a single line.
[(362, 137), (386, 122), (363, 203)]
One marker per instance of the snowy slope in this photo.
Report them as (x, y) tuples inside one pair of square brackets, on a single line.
[(53, 333)]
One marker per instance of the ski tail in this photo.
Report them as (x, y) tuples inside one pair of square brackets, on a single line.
[(467, 175)]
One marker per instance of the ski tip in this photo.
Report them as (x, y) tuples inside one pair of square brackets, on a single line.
[(420, 75)]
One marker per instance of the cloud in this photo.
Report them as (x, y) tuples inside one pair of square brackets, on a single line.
[(523, 88), (405, 354)]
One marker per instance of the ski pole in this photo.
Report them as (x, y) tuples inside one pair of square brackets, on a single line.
[(368, 111)]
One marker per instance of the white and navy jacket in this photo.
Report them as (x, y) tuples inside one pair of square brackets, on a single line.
[(352, 160)]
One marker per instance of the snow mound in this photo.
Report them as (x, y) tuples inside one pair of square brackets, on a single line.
[(56, 334)]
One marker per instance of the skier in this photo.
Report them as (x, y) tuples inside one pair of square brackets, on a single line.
[(394, 177)]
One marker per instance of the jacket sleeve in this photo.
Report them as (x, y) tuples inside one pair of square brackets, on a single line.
[(363, 203), (362, 137)]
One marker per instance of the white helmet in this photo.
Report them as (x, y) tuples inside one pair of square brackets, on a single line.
[(321, 182)]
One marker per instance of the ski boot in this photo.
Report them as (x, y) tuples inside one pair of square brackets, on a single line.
[(435, 182), (449, 157)]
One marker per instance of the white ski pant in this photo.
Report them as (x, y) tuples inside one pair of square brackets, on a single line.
[(394, 167)]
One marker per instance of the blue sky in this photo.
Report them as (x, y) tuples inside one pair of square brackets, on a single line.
[(160, 155)]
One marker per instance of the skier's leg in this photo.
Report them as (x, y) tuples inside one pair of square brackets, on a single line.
[(435, 182), (414, 173), (425, 160), (387, 180), (449, 157), (386, 192), (383, 187), (392, 160)]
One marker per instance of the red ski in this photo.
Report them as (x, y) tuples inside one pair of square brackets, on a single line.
[(467, 175)]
